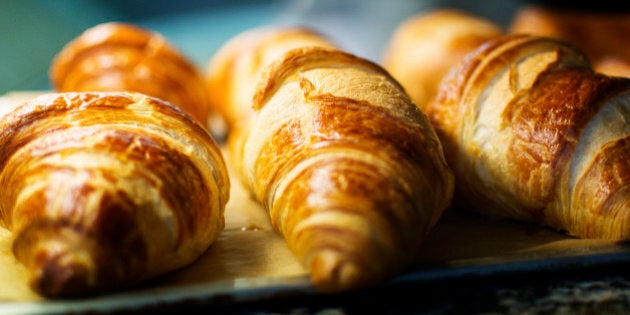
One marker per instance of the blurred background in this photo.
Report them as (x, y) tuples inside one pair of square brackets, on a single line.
[(33, 31)]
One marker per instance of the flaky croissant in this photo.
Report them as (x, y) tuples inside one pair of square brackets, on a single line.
[(348, 168), (426, 46), (103, 190), (533, 133), (117, 56)]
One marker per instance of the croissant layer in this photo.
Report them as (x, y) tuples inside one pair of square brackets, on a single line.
[(349, 169), (233, 72), (103, 190), (533, 133), (424, 48), (117, 56)]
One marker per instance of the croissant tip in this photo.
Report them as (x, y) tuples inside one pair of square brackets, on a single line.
[(332, 271), (62, 275)]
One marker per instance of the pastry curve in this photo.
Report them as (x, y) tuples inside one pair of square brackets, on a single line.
[(106, 189), (349, 170), (117, 56), (533, 133)]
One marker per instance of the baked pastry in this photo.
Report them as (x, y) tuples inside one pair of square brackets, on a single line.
[(117, 56), (426, 46), (613, 66), (234, 70), (533, 133), (602, 35), (104, 190), (349, 169)]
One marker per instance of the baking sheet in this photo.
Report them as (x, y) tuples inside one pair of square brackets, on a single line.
[(250, 262)]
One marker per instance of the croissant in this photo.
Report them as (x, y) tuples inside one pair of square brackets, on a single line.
[(104, 190), (117, 56), (532, 133), (603, 36), (234, 70), (427, 45), (349, 169)]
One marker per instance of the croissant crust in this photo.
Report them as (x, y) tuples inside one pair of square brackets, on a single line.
[(533, 133), (350, 170), (119, 56), (424, 48), (103, 190)]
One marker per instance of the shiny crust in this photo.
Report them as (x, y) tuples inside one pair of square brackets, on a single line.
[(603, 36), (349, 169), (233, 71), (426, 46), (103, 190), (118, 56), (532, 133)]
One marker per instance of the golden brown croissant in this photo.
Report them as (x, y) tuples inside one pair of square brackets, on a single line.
[(349, 169), (533, 133), (234, 70), (118, 56), (603, 36), (426, 46), (103, 190)]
